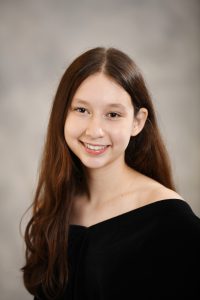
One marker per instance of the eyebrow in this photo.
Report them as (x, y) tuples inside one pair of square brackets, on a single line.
[(114, 105)]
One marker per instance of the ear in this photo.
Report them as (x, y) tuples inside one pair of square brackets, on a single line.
[(139, 121)]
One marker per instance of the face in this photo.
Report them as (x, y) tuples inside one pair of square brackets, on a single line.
[(100, 122)]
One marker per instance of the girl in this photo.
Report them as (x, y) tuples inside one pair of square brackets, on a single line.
[(107, 222)]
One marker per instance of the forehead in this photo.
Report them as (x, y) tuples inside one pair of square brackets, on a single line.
[(99, 89)]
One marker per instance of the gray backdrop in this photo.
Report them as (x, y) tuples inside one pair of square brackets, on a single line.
[(38, 40)]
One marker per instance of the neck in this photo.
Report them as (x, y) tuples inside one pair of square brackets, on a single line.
[(107, 182)]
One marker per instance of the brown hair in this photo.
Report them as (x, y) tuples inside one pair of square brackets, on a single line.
[(62, 174)]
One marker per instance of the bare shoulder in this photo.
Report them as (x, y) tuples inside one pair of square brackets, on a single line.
[(154, 191), (158, 192), (161, 192)]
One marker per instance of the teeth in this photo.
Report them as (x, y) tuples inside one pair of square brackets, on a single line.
[(95, 147)]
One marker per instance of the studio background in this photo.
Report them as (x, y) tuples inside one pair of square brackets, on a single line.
[(38, 40)]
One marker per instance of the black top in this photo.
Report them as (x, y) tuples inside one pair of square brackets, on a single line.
[(152, 252)]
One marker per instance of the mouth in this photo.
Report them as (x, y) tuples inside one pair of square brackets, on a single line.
[(94, 148)]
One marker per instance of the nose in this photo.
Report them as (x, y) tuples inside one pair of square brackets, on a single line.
[(94, 128)]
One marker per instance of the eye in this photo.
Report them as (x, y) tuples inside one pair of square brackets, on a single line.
[(82, 110), (114, 115)]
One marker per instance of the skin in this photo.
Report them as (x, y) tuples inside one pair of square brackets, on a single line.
[(114, 186)]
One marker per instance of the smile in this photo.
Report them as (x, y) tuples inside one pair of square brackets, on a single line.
[(95, 149)]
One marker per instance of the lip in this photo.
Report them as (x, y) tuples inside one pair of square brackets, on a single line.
[(95, 152), (93, 144)]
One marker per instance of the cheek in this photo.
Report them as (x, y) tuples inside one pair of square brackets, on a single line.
[(121, 136), (70, 129)]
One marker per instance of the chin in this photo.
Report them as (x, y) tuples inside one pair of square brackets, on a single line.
[(93, 164)]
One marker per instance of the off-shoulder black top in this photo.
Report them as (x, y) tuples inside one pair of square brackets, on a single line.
[(152, 252)]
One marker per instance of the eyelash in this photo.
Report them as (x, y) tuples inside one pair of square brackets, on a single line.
[(82, 108)]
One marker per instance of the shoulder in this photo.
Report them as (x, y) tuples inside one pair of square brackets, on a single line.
[(179, 219), (178, 224), (152, 191), (159, 192)]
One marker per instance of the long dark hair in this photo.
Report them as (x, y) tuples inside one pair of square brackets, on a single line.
[(62, 175)]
